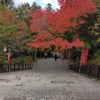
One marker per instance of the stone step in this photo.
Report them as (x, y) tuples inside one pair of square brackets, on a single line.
[(50, 64)]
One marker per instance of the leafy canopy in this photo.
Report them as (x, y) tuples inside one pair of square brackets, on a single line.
[(50, 26)]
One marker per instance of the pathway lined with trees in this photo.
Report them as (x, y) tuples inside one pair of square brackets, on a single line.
[(48, 80), (76, 25), (63, 29)]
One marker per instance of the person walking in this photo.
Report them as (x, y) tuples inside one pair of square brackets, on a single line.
[(45, 55), (62, 56), (56, 56)]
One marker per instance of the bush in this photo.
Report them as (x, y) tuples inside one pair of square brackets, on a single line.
[(97, 53), (2, 59)]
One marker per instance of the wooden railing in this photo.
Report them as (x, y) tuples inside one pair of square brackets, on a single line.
[(89, 70), (14, 67)]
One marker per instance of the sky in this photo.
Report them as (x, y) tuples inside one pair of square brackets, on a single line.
[(42, 3)]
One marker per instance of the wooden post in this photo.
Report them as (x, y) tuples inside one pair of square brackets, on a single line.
[(25, 66), (80, 68), (18, 66), (22, 67), (98, 72), (90, 67), (14, 67)]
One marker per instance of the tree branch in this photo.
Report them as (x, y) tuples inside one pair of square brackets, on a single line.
[(49, 30)]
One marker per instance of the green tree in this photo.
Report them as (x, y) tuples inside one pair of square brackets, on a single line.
[(7, 3)]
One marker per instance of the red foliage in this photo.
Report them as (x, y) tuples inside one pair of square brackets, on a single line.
[(50, 26)]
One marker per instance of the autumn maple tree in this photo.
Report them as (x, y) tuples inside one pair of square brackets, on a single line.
[(50, 26)]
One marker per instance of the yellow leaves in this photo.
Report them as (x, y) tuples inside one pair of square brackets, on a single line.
[(98, 40)]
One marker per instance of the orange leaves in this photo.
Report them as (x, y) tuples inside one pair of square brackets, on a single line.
[(41, 45), (51, 26), (35, 45), (60, 20), (21, 25), (74, 10), (17, 35), (20, 31), (41, 41), (6, 17), (82, 22), (77, 43), (59, 43), (43, 37)]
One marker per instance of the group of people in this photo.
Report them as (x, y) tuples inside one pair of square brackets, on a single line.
[(61, 57), (55, 56)]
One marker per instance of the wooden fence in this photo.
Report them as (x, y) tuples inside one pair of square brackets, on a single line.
[(90, 70), (14, 67)]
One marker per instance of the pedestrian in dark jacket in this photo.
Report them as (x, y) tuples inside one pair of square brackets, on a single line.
[(56, 56)]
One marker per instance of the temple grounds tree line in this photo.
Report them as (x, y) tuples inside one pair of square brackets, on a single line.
[(30, 29)]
